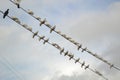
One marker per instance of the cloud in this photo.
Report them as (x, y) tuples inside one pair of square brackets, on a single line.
[(100, 26), (97, 24)]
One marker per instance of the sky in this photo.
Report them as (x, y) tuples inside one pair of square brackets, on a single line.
[(94, 23)]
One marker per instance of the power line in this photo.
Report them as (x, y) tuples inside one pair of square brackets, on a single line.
[(69, 54), (11, 68), (66, 37)]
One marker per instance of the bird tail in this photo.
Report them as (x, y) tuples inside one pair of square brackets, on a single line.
[(18, 5), (3, 16)]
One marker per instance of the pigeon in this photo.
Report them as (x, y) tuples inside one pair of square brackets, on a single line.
[(17, 2), (5, 13)]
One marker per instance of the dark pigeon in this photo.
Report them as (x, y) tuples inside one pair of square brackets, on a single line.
[(5, 13), (18, 5)]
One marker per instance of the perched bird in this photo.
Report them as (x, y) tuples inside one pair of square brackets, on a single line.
[(29, 28), (42, 37), (84, 49), (71, 56), (72, 41), (77, 60), (90, 52), (5, 13), (17, 2), (82, 64), (58, 32), (57, 46), (68, 38), (18, 5), (48, 25), (45, 41), (42, 22), (66, 53), (79, 46), (98, 73), (38, 18), (111, 66), (16, 20), (25, 25), (63, 35), (52, 29), (86, 66), (61, 51), (30, 12), (35, 34)]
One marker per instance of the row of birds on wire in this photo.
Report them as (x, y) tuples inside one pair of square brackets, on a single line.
[(79, 46), (62, 50)]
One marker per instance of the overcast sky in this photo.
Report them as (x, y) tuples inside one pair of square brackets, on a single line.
[(94, 23)]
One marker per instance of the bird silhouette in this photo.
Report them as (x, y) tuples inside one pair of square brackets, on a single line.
[(17, 2), (86, 66), (18, 5), (61, 51), (84, 49), (45, 41), (43, 22), (5, 13), (77, 60), (79, 46), (82, 64), (42, 37), (35, 34), (66, 53), (52, 29), (70, 56)]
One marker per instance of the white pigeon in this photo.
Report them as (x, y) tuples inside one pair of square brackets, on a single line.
[(17, 2)]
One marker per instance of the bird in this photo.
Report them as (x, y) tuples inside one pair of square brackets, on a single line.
[(77, 60), (111, 66), (63, 35), (35, 34), (45, 41), (17, 2), (30, 12), (66, 53), (29, 28), (57, 46), (48, 25), (86, 66), (38, 18), (72, 41), (71, 56), (16, 20), (61, 51), (18, 5), (84, 49), (82, 64), (75, 43), (98, 73), (5, 13), (79, 46), (68, 38), (25, 25), (58, 32), (42, 37), (42, 22), (52, 29)]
